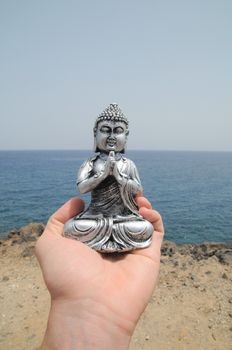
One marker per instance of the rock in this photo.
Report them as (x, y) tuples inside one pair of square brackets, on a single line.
[(192, 277), (206, 250), (184, 249), (5, 278), (13, 233), (168, 248), (33, 228), (219, 251), (28, 252), (201, 251), (175, 262), (224, 275), (28, 233), (29, 237), (224, 256), (213, 336)]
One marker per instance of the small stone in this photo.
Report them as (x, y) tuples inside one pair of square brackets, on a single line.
[(225, 256), (14, 242), (168, 248), (213, 336), (28, 252), (147, 337), (224, 275), (5, 278)]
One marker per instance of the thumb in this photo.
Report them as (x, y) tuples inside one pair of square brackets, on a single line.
[(54, 228), (71, 208)]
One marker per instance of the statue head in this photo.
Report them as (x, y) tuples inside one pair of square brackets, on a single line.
[(111, 130)]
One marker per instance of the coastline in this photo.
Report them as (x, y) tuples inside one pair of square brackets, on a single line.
[(198, 251), (190, 308)]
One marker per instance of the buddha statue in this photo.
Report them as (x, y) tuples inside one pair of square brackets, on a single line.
[(111, 223)]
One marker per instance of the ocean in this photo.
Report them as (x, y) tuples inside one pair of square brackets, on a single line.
[(191, 190)]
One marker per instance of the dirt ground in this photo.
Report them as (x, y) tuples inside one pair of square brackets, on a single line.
[(191, 307)]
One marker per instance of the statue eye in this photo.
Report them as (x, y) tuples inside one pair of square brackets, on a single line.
[(119, 130), (105, 129)]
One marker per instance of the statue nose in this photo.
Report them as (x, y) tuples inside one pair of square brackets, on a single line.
[(111, 136)]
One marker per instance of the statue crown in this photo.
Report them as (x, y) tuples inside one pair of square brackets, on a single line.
[(112, 112)]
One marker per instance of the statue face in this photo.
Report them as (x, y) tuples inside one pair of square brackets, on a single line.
[(111, 136)]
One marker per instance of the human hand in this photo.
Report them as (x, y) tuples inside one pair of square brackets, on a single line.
[(96, 299)]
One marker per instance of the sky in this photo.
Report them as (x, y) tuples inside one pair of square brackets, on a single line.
[(167, 63)]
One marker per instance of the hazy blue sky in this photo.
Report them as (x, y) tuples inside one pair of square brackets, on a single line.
[(167, 63)]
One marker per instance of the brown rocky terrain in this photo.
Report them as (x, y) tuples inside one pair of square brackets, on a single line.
[(191, 307)]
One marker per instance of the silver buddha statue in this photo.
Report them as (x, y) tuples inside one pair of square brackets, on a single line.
[(112, 222)]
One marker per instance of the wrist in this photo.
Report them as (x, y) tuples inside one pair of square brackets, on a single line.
[(85, 325)]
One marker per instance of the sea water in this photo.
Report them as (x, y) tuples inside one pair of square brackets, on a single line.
[(192, 190)]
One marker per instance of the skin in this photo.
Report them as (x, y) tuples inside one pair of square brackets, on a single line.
[(96, 299)]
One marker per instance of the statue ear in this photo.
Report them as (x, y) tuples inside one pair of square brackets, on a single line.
[(94, 134)]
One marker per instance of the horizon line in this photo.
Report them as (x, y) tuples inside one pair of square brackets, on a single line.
[(132, 149)]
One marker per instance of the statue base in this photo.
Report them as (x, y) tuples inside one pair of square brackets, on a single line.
[(110, 235)]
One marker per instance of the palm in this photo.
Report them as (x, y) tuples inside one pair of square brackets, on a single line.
[(122, 283)]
